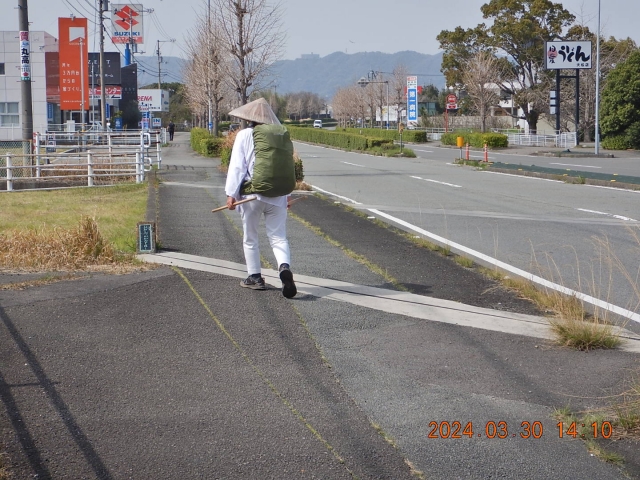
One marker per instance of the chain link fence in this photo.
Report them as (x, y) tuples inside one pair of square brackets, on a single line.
[(19, 148)]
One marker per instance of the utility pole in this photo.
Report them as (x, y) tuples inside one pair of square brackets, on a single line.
[(159, 62), (158, 42), (25, 74), (104, 6)]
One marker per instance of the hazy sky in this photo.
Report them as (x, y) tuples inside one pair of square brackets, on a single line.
[(327, 26)]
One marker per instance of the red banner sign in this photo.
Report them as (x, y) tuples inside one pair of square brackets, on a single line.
[(74, 58)]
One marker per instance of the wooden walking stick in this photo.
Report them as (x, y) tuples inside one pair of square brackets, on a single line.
[(291, 202), (237, 203)]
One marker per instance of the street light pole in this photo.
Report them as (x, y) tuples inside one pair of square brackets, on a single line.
[(597, 150)]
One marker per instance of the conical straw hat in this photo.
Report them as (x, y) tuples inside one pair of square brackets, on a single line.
[(257, 111)]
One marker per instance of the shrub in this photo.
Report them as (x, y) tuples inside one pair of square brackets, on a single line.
[(493, 140), (415, 136), (615, 142), (225, 148), (335, 138), (197, 134), (298, 166), (633, 135), (210, 147)]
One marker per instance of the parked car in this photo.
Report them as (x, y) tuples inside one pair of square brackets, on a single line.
[(317, 124)]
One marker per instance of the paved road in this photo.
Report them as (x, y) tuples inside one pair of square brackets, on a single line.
[(180, 373), (570, 235)]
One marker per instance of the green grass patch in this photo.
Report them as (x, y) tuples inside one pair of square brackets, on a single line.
[(116, 211)]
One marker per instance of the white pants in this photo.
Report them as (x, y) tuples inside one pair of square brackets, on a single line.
[(276, 223)]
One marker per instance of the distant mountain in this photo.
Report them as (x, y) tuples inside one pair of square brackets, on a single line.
[(325, 75), (171, 69), (312, 73)]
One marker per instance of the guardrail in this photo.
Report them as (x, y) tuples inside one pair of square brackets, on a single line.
[(564, 140), (72, 169)]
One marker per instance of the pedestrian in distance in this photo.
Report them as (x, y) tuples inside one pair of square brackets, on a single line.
[(271, 203), (172, 130)]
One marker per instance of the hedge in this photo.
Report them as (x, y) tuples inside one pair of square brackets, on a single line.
[(478, 140), (616, 142), (336, 138), (414, 136), (204, 143)]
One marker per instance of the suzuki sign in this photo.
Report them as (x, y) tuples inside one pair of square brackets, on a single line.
[(126, 23)]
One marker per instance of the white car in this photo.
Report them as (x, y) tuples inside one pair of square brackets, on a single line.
[(317, 124)]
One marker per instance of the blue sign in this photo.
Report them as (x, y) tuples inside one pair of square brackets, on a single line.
[(107, 109), (118, 123), (412, 104), (50, 112), (146, 237), (146, 114), (210, 125)]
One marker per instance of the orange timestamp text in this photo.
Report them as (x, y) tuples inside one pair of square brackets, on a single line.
[(490, 429)]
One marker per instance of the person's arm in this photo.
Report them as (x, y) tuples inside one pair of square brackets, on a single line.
[(238, 165)]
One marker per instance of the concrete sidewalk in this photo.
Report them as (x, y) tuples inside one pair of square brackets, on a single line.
[(180, 373)]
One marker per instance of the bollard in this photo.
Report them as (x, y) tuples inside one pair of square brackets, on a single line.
[(486, 153), (159, 156), (467, 152), (9, 174), (37, 152), (139, 168), (89, 169)]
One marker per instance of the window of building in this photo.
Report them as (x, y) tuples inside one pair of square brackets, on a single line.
[(9, 114), (1, 68)]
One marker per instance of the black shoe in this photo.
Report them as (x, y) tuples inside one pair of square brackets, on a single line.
[(254, 283), (289, 289)]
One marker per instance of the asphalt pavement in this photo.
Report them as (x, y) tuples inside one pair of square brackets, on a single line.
[(178, 372)]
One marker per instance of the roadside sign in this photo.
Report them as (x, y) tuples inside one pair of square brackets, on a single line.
[(51, 144), (146, 237), (157, 122), (452, 106), (452, 98)]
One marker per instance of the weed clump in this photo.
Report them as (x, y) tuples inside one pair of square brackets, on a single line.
[(56, 249)]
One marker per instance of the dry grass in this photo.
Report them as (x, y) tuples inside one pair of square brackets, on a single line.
[(62, 249), (116, 210)]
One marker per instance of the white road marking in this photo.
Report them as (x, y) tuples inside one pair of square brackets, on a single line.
[(619, 217), (436, 181), (523, 176), (354, 164), (571, 165), (337, 196), (423, 151), (390, 301), (505, 266)]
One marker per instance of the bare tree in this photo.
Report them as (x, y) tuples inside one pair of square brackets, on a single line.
[(251, 32), (208, 73), (481, 79), (398, 88)]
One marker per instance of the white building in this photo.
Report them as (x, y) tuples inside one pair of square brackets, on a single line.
[(10, 93)]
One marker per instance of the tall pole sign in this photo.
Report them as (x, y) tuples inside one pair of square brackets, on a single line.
[(74, 84), (412, 101), (567, 55)]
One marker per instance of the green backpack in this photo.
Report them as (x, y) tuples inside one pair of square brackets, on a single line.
[(274, 172)]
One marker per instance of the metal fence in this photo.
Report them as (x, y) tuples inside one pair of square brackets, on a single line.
[(564, 140), (61, 159), (24, 172)]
